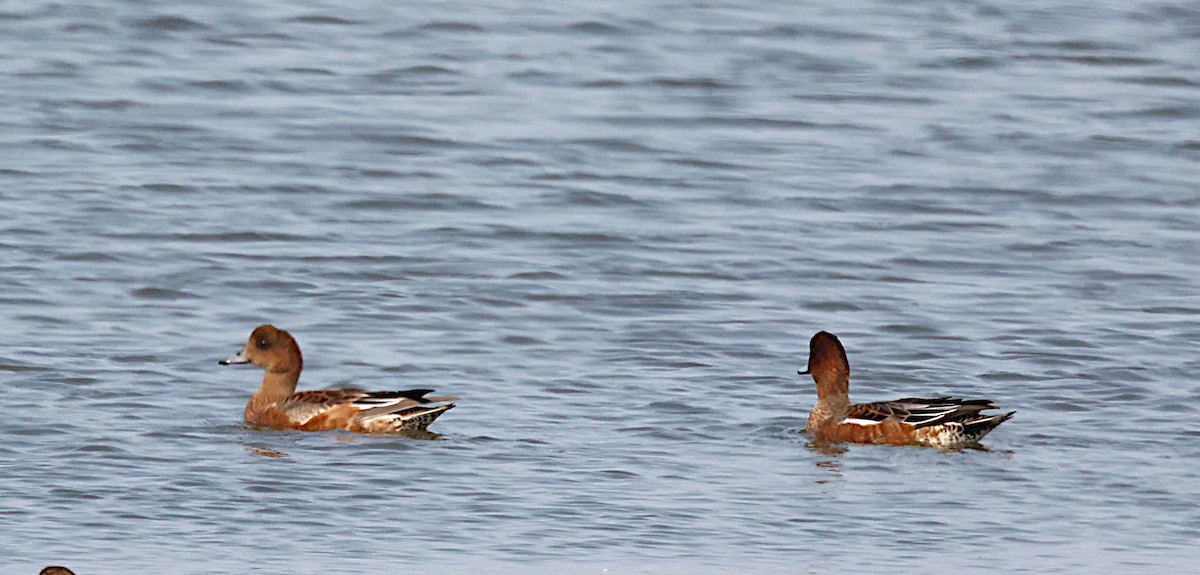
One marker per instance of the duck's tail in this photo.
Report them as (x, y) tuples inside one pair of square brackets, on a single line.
[(965, 432), (412, 419), (975, 429)]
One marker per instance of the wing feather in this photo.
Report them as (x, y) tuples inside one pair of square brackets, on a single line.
[(381, 403), (305, 405), (918, 412)]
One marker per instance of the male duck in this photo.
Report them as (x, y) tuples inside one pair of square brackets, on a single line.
[(945, 422), (276, 404)]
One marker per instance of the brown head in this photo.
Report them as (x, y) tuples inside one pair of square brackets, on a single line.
[(828, 366), (270, 348), (56, 570)]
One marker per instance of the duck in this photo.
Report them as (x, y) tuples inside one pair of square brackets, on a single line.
[(56, 570), (942, 422), (277, 404)]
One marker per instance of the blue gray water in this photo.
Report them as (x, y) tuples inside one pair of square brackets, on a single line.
[(611, 229)]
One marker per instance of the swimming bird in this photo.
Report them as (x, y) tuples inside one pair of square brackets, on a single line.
[(946, 422), (278, 405), (56, 570)]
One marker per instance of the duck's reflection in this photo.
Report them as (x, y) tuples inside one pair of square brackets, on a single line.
[(832, 450), (266, 451)]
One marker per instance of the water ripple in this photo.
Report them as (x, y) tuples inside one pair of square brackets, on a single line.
[(612, 236)]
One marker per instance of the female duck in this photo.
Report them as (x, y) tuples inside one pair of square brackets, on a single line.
[(945, 422), (276, 404)]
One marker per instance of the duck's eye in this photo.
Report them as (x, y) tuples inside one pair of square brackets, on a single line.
[(262, 343)]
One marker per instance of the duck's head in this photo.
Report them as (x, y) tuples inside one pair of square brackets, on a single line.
[(827, 363), (270, 348)]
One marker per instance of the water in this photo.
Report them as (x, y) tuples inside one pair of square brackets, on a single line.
[(611, 229)]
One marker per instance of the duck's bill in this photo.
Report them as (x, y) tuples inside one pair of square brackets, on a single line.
[(239, 358), (805, 372)]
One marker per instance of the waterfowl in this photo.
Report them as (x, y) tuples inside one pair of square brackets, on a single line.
[(946, 422), (56, 570), (278, 405)]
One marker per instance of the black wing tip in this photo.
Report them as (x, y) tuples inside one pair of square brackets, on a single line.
[(984, 425), (989, 422)]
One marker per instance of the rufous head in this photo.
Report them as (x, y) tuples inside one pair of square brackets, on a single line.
[(56, 570), (270, 348), (828, 365)]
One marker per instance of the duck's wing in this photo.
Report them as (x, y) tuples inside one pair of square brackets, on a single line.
[(380, 403), (302, 406), (369, 411), (917, 412), (873, 413)]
